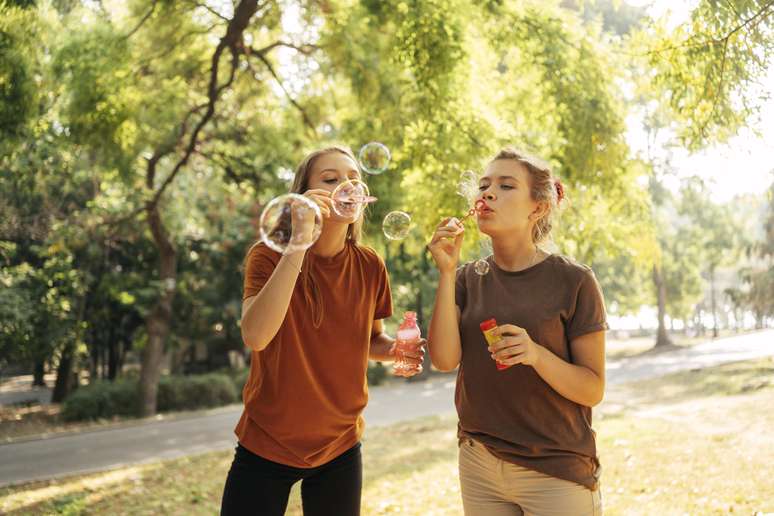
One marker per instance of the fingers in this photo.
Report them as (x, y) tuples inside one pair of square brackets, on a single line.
[(445, 232), (323, 200), (417, 354), (411, 372), (505, 354), (509, 329), (518, 358), (507, 346)]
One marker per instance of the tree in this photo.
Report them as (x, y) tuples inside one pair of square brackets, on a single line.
[(704, 73)]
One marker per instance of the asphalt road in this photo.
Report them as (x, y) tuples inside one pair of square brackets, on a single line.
[(153, 440)]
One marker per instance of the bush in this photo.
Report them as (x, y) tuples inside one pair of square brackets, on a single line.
[(196, 391), (240, 379), (376, 373), (102, 400)]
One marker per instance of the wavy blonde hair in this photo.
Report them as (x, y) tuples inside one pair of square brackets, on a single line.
[(544, 187)]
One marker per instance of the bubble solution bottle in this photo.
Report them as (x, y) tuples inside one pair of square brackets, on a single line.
[(407, 340), (488, 327)]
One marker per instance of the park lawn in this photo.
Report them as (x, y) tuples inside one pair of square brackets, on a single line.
[(690, 443)]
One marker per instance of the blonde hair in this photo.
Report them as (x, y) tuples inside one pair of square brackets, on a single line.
[(544, 187)]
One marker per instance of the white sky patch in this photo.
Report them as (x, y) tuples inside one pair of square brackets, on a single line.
[(294, 68)]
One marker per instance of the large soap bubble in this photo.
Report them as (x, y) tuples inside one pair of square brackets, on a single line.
[(290, 223)]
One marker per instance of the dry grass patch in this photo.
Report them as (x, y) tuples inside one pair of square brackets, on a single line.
[(690, 443)]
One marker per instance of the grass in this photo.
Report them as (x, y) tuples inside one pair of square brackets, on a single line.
[(689, 443)]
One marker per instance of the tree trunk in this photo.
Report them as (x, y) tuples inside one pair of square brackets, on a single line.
[(38, 373), (158, 321), (64, 378), (662, 339), (112, 360)]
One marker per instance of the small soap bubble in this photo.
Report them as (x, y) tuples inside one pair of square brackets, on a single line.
[(290, 223), (374, 157), (467, 186), (481, 267), (396, 225)]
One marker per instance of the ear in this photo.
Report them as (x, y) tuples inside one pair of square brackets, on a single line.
[(539, 212)]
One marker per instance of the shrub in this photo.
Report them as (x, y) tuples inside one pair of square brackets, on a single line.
[(102, 400)]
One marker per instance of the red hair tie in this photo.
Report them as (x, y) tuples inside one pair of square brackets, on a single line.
[(559, 191)]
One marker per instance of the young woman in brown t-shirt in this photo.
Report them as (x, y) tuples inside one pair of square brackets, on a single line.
[(312, 319), (526, 442)]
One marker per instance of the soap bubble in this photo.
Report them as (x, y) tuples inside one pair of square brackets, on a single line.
[(290, 223), (396, 225), (350, 197), (467, 186), (374, 157), (481, 267)]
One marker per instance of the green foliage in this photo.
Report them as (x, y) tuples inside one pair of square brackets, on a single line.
[(196, 391), (104, 400), (101, 400), (376, 373), (90, 97), (17, 69), (704, 72)]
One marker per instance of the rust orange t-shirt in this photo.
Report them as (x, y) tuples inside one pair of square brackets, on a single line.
[(307, 389)]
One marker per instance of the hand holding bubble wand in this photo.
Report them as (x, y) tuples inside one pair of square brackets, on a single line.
[(458, 223)]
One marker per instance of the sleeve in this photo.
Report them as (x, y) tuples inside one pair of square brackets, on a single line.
[(589, 315), (383, 293), (460, 290), (259, 265)]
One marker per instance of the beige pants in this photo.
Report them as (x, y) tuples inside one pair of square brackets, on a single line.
[(493, 487)]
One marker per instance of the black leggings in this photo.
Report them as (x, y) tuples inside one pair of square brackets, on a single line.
[(258, 486)]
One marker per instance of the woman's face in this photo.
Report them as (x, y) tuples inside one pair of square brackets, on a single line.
[(328, 172), (508, 205)]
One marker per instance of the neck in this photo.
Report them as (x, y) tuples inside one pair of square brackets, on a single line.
[(331, 241), (515, 254)]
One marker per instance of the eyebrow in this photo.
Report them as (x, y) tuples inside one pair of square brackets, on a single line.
[(336, 170), (501, 178)]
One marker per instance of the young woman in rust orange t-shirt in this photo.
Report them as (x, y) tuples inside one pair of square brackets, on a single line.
[(312, 320)]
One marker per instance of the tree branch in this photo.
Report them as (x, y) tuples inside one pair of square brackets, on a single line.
[(260, 54), (759, 16), (232, 41), (144, 19)]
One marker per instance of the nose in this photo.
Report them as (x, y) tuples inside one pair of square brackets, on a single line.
[(488, 195)]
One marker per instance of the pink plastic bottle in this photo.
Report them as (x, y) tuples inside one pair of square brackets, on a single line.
[(407, 340)]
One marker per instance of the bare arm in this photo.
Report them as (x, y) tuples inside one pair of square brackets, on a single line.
[(582, 382), (263, 313), (444, 333), (381, 344)]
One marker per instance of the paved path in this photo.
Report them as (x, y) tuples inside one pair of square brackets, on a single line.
[(149, 441)]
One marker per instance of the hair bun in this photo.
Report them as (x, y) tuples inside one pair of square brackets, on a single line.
[(559, 191)]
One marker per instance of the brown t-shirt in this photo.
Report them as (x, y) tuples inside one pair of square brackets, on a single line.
[(513, 412), (307, 389)]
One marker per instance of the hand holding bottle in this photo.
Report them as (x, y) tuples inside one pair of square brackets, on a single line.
[(409, 347)]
